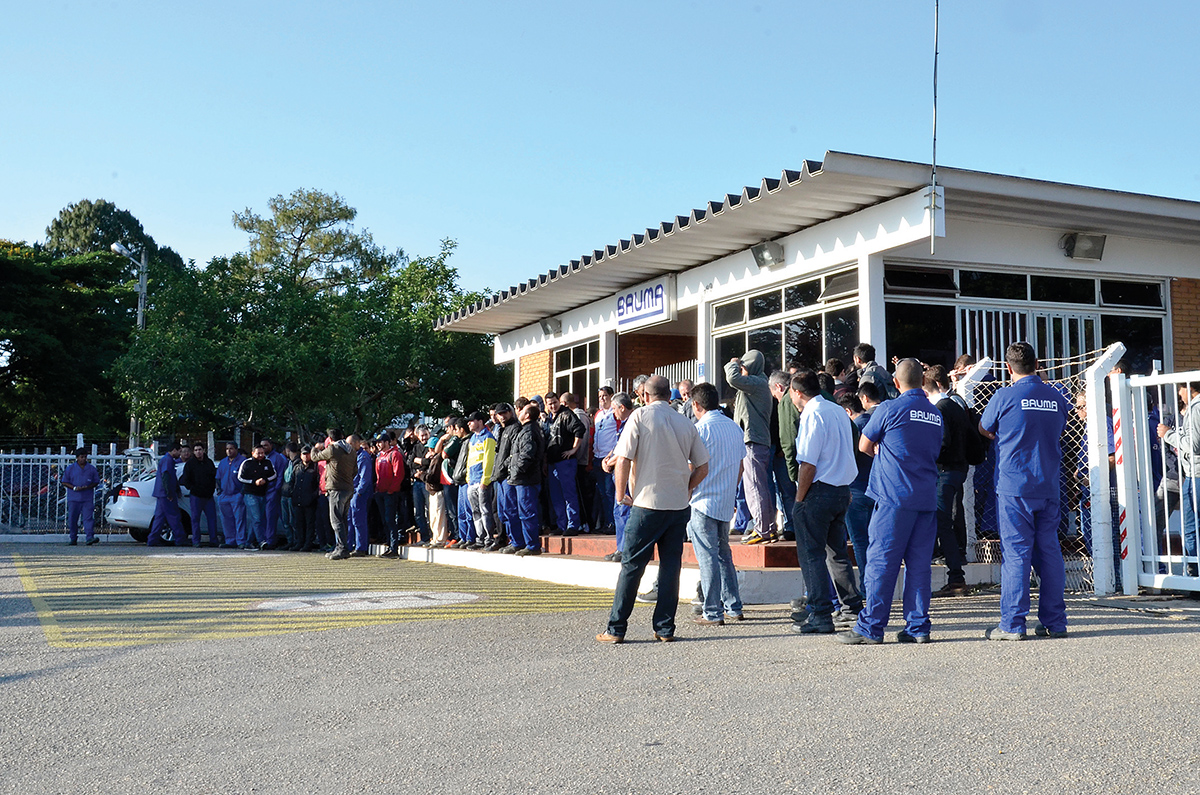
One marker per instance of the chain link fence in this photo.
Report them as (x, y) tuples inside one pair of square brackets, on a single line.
[(1065, 375)]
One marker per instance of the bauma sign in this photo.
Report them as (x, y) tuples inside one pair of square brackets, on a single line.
[(646, 304)]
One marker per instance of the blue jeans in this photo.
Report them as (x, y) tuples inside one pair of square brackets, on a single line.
[(233, 518), (898, 535), (606, 488), (784, 489), (646, 530), (1029, 537), (420, 506), (527, 533), (1188, 505), (203, 507), (620, 519), (564, 494), (509, 512), (387, 504), (255, 518), (718, 577), (821, 548), (466, 522), (858, 520), (741, 516), (273, 511), (949, 491)]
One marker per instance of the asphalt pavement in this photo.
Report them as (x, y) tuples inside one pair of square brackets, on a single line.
[(129, 671)]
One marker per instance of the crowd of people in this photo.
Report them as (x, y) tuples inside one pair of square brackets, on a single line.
[(836, 458)]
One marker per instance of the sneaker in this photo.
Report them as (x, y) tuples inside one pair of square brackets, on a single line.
[(73, 542), (91, 541), (338, 555), (570, 531), (845, 618), (734, 617), (814, 626), (521, 553), (995, 633), (360, 553), (708, 622), (649, 597), (904, 636), (852, 638), (390, 553), (1045, 632), (509, 550), (755, 538), (475, 545), (952, 589)]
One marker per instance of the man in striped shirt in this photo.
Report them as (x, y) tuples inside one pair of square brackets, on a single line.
[(713, 507)]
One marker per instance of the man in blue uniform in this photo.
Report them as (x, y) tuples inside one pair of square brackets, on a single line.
[(905, 436), (80, 480), (166, 496), (1027, 419), (364, 493), (229, 498)]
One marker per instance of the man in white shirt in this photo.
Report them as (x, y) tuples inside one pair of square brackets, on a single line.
[(825, 455), (661, 450), (713, 507)]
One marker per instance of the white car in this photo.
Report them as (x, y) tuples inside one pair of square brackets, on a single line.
[(133, 506)]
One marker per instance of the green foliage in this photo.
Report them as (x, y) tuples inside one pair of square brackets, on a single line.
[(63, 322), (87, 227), (298, 338)]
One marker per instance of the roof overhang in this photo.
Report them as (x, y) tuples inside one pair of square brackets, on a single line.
[(839, 185)]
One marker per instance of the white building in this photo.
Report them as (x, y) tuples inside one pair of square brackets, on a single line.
[(1068, 268)]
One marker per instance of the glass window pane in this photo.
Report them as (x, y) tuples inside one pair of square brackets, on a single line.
[(769, 342), (1061, 290), (924, 332), (801, 295), (728, 314), (1114, 293), (919, 281), (579, 356), (594, 352), (589, 397), (725, 349), (766, 305), (802, 342), (562, 384), (987, 284), (562, 360), (841, 334), (1142, 337)]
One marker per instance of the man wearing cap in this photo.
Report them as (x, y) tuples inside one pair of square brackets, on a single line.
[(481, 459), (1027, 419), (905, 437), (80, 480)]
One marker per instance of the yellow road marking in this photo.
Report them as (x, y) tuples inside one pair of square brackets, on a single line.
[(129, 599)]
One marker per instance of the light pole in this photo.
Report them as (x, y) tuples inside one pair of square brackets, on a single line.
[(143, 266)]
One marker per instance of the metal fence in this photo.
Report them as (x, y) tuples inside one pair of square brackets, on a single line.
[(32, 497), (1087, 495), (679, 371)]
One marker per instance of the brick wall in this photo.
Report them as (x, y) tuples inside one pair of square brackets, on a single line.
[(536, 373), (642, 353), (1185, 323)]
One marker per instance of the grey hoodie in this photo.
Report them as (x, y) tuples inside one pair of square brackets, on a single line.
[(752, 410)]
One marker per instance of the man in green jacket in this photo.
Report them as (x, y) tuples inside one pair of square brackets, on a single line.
[(783, 462), (342, 465)]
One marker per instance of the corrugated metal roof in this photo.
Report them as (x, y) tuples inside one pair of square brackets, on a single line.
[(819, 191)]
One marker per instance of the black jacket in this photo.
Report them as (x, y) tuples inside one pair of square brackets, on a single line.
[(504, 441), (199, 477), (251, 470), (527, 455), (955, 427), (565, 428), (305, 484)]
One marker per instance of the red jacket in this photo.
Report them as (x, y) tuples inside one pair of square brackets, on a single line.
[(389, 471)]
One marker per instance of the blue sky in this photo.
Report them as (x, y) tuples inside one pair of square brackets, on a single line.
[(533, 133)]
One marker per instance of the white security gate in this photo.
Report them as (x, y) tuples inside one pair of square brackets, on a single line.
[(1065, 338), (1158, 547)]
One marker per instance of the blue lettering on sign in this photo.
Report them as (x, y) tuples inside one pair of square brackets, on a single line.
[(645, 302)]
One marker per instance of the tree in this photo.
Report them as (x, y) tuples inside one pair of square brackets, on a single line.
[(87, 227), (309, 238), (63, 322), (298, 337)]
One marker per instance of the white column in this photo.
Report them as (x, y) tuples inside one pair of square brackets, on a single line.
[(516, 377), (871, 325), (703, 343), (608, 359)]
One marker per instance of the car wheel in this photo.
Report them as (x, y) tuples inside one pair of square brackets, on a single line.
[(139, 534)]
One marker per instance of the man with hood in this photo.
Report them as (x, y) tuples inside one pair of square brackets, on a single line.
[(752, 412)]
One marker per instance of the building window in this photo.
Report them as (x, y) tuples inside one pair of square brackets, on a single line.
[(577, 370), (990, 284), (1061, 290), (1115, 293)]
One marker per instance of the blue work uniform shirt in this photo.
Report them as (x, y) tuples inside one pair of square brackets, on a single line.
[(908, 430), (1028, 418), (85, 477), (227, 480), (166, 484), (364, 478), (281, 464)]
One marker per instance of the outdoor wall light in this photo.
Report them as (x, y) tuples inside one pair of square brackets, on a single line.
[(1077, 245), (551, 326), (768, 255)]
